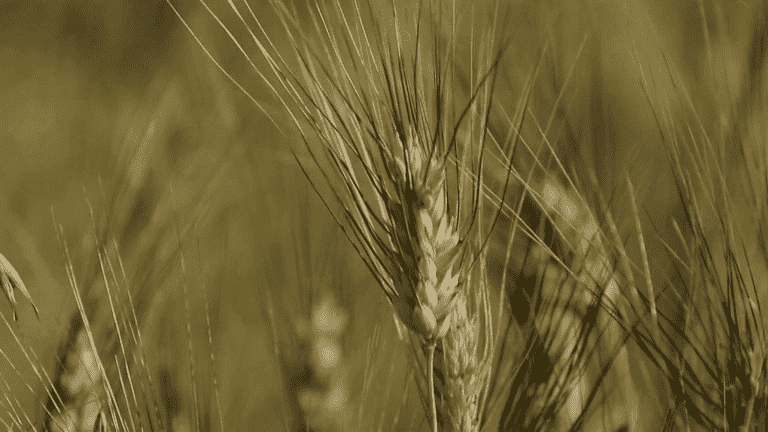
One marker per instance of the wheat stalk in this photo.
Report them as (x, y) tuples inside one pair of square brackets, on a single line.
[(427, 270), (326, 408)]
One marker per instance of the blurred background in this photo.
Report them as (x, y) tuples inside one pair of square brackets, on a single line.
[(114, 121)]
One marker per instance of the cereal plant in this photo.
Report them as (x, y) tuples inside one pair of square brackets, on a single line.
[(354, 215)]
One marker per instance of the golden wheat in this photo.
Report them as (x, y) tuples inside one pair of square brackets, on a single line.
[(384, 173), (401, 170)]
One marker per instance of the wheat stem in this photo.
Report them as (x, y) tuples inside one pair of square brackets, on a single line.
[(431, 371)]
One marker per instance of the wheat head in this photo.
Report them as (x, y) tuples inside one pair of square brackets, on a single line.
[(394, 145)]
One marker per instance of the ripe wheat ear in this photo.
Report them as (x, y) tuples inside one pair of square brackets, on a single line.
[(10, 282), (395, 147)]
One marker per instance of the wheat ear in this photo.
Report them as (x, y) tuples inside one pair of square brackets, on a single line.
[(380, 120), (426, 237), (468, 354)]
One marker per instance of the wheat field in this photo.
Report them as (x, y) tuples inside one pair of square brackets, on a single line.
[(361, 215)]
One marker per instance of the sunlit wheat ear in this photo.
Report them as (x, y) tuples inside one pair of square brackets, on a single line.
[(11, 281), (328, 407), (426, 278), (82, 386)]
